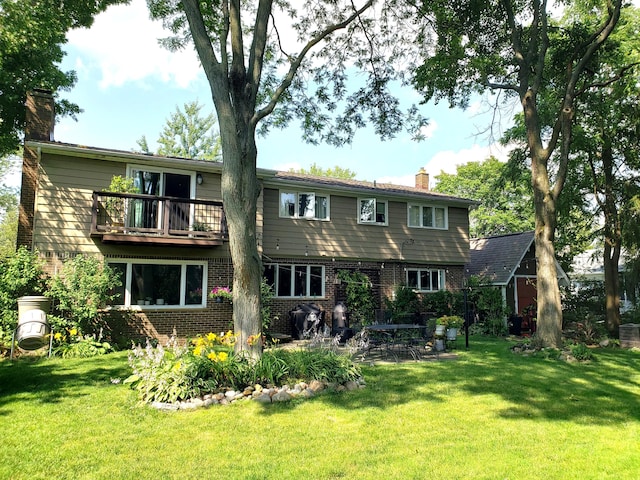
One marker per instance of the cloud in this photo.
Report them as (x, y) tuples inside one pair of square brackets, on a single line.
[(123, 45), (447, 161), (428, 130)]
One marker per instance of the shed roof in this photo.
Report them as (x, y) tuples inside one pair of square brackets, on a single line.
[(497, 258)]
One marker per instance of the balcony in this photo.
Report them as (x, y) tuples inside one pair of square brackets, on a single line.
[(152, 220)]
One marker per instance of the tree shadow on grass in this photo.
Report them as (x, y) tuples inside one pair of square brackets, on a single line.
[(605, 391), (47, 380)]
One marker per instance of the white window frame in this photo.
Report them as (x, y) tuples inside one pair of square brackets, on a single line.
[(129, 262), (147, 168), (433, 208), (192, 185), (375, 201), (442, 279), (309, 213), (276, 279)]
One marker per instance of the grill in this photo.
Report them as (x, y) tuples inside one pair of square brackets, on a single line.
[(307, 319)]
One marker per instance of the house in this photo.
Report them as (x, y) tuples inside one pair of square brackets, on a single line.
[(509, 263), (171, 244), (587, 269)]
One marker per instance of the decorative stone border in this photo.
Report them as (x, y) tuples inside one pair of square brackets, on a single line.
[(261, 394)]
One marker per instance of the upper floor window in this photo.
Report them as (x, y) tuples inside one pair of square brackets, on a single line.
[(161, 283), (304, 205), (425, 280), (372, 211), (428, 216), (295, 280)]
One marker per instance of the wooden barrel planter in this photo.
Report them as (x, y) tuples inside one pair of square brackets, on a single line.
[(33, 326)]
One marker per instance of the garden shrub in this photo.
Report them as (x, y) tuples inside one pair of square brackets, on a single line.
[(359, 297), (583, 313), (266, 302), (208, 364), (21, 274), (72, 344), (581, 352), (405, 303), (82, 288), (443, 303)]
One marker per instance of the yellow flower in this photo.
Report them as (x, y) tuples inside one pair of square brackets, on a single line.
[(177, 365), (73, 331), (222, 356), (212, 356), (198, 350), (211, 337), (57, 336)]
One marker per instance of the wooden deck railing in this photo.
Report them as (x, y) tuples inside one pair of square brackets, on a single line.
[(152, 216)]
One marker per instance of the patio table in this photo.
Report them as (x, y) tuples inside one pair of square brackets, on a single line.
[(396, 338)]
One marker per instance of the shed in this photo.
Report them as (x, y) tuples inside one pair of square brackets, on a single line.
[(509, 262)]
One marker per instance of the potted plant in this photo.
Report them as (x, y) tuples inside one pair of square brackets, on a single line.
[(441, 326), (454, 323), (116, 207), (221, 293)]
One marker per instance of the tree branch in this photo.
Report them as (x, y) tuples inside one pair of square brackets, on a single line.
[(565, 117), (200, 36), (623, 71), (256, 54), (295, 65)]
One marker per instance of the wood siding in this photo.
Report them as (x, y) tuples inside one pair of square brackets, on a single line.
[(64, 201), (342, 237)]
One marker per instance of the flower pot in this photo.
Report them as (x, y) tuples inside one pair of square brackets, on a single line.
[(160, 301), (439, 344), (440, 329), (452, 333), (218, 299)]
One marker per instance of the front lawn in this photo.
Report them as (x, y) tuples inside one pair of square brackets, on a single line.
[(488, 415)]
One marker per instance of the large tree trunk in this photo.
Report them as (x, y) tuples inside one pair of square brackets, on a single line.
[(612, 243), (549, 307), (240, 191)]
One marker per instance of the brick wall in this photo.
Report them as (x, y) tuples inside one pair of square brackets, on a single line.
[(39, 126)]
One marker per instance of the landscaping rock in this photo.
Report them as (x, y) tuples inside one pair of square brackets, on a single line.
[(316, 386), (263, 398), (281, 396), (260, 394), (165, 406)]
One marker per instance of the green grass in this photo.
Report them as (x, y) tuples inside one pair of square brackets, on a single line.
[(488, 415)]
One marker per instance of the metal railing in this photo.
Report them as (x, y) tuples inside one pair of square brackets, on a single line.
[(151, 215)]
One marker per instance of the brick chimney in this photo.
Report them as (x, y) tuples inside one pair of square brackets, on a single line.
[(422, 179), (39, 121), (40, 116)]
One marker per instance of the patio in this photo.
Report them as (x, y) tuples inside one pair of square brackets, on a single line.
[(377, 348)]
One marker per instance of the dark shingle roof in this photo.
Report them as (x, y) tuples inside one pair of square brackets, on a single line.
[(497, 258), (368, 187)]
